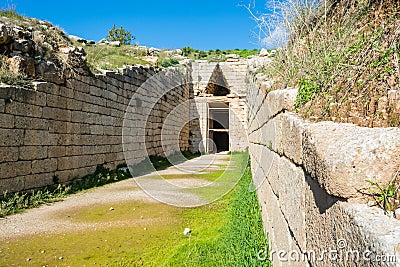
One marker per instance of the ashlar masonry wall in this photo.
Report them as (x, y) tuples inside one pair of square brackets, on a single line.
[(310, 178), (233, 75), (64, 131)]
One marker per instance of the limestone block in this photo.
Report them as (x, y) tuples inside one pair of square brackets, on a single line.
[(14, 169), (270, 134), (374, 230), (11, 137), (79, 116), (2, 105), (44, 166), (22, 122), (78, 86), (56, 101), (56, 114), (39, 138), (11, 185), (6, 120), (57, 126), (75, 151), (8, 154), (280, 100), (23, 109), (29, 96), (291, 198), (56, 151), (333, 151), (289, 131), (74, 104), (96, 129), (37, 180), (63, 91), (278, 230), (108, 94), (32, 152)]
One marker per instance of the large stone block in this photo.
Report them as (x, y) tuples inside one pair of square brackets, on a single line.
[(292, 198), (14, 169), (11, 137), (281, 100), (56, 151), (11, 185), (56, 101), (56, 114), (8, 154), (281, 244), (38, 180), (289, 131), (22, 122), (44, 166), (32, 152), (2, 105), (342, 156), (23, 109), (39, 138), (6, 120)]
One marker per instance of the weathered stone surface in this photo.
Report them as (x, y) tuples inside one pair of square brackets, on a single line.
[(12, 185), (32, 152), (315, 167), (21, 64), (281, 100), (11, 137), (49, 71), (289, 136), (6, 120), (342, 156), (4, 37), (152, 60)]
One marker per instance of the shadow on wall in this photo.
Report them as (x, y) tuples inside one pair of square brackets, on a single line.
[(322, 199)]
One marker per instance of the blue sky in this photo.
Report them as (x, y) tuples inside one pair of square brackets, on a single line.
[(205, 24)]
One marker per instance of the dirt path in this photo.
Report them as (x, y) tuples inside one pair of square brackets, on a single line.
[(59, 217)]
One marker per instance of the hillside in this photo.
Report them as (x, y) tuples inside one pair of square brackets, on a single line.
[(343, 57), (34, 49)]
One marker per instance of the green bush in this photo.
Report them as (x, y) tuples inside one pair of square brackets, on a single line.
[(120, 34), (187, 51), (171, 62)]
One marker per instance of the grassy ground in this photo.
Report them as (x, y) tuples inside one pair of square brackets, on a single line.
[(110, 58), (227, 232)]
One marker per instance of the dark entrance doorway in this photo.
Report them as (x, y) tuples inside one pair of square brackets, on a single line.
[(218, 127), (221, 140)]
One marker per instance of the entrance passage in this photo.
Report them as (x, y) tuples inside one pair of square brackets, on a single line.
[(221, 140), (218, 127)]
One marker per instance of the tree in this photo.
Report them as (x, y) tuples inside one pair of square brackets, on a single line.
[(120, 34)]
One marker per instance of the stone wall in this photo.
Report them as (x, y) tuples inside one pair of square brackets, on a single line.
[(234, 74), (310, 178), (231, 75), (64, 131)]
